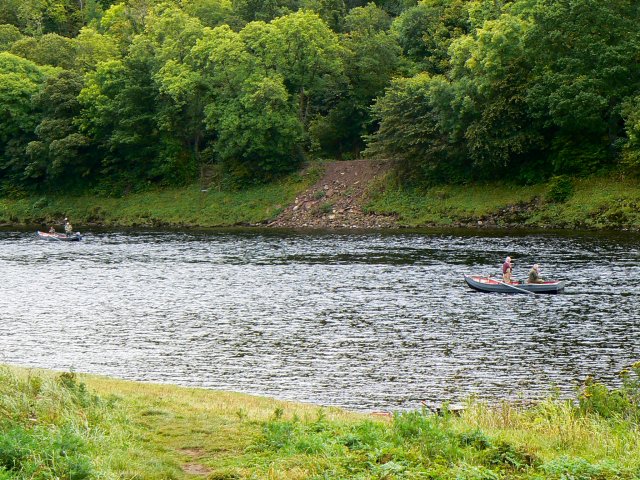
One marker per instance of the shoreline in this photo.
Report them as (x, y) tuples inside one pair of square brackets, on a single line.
[(353, 195), (463, 230), (116, 428)]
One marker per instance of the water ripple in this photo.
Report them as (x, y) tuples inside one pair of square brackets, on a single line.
[(359, 320)]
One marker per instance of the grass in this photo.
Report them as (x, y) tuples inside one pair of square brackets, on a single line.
[(71, 426), (444, 205), (600, 202), (610, 202), (186, 207), (597, 202)]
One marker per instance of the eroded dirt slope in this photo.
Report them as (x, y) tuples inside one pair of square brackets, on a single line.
[(337, 199)]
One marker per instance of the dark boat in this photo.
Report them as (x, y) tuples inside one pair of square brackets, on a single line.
[(489, 284), (59, 237)]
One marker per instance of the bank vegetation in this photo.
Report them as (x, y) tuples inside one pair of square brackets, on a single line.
[(106, 98), (72, 426)]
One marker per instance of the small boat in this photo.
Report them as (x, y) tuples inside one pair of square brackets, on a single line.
[(490, 284), (59, 237)]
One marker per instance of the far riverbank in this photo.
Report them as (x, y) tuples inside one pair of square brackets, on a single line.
[(355, 194)]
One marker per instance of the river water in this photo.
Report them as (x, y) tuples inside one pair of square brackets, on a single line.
[(367, 321)]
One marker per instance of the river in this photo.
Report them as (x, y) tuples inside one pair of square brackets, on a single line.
[(362, 320)]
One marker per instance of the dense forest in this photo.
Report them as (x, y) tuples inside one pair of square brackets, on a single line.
[(111, 96)]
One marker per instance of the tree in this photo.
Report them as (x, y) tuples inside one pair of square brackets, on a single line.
[(258, 133), (9, 34), (20, 80), (584, 54), (631, 149), (369, 17), (426, 31), (168, 39), (308, 56), (415, 130), (245, 11), (123, 21), (371, 57), (60, 154), (93, 47), (491, 69), (249, 110), (331, 11), (49, 49), (211, 13), (118, 114)]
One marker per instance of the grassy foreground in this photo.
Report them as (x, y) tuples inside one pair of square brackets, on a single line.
[(68, 426), (593, 203)]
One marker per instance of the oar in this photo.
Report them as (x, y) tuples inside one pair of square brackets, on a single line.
[(516, 288)]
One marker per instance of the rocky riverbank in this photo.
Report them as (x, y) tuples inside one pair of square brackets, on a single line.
[(357, 194), (338, 198)]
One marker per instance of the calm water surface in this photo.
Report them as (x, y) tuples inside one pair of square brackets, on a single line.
[(365, 321)]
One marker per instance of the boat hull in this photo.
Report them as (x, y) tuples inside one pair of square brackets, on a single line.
[(59, 237), (494, 285)]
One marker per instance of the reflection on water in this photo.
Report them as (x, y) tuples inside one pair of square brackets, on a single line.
[(360, 320)]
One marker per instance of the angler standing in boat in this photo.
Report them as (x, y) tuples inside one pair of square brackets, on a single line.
[(68, 228), (507, 268)]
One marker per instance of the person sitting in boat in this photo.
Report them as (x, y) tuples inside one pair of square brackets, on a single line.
[(68, 228), (534, 275), (52, 229), (507, 268)]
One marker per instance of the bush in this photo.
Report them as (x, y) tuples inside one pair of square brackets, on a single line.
[(623, 402), (559, 189), (576, 468)]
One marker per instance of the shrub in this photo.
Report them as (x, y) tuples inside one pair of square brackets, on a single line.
[(576, 468), (623, 402), (326, 207), (559, 189)]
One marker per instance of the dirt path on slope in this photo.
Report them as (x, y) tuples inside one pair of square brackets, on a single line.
[(336, 200)]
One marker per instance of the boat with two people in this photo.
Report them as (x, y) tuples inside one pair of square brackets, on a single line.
[(59, 237), (534, 284), (68, 236), (491, 284)]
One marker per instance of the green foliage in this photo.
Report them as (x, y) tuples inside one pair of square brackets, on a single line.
[(59, 154), (332, 12), (498, 130), (20, 81), (367, 18), (579, 469), (308, 56), (45, 432), (413, 115), (50, 49), (210, 12), (559, 189), (534, 88), (617, 403), (631, 150), (426, 31), (245, 11), (92, 48), (371, 57), (9, 34)]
